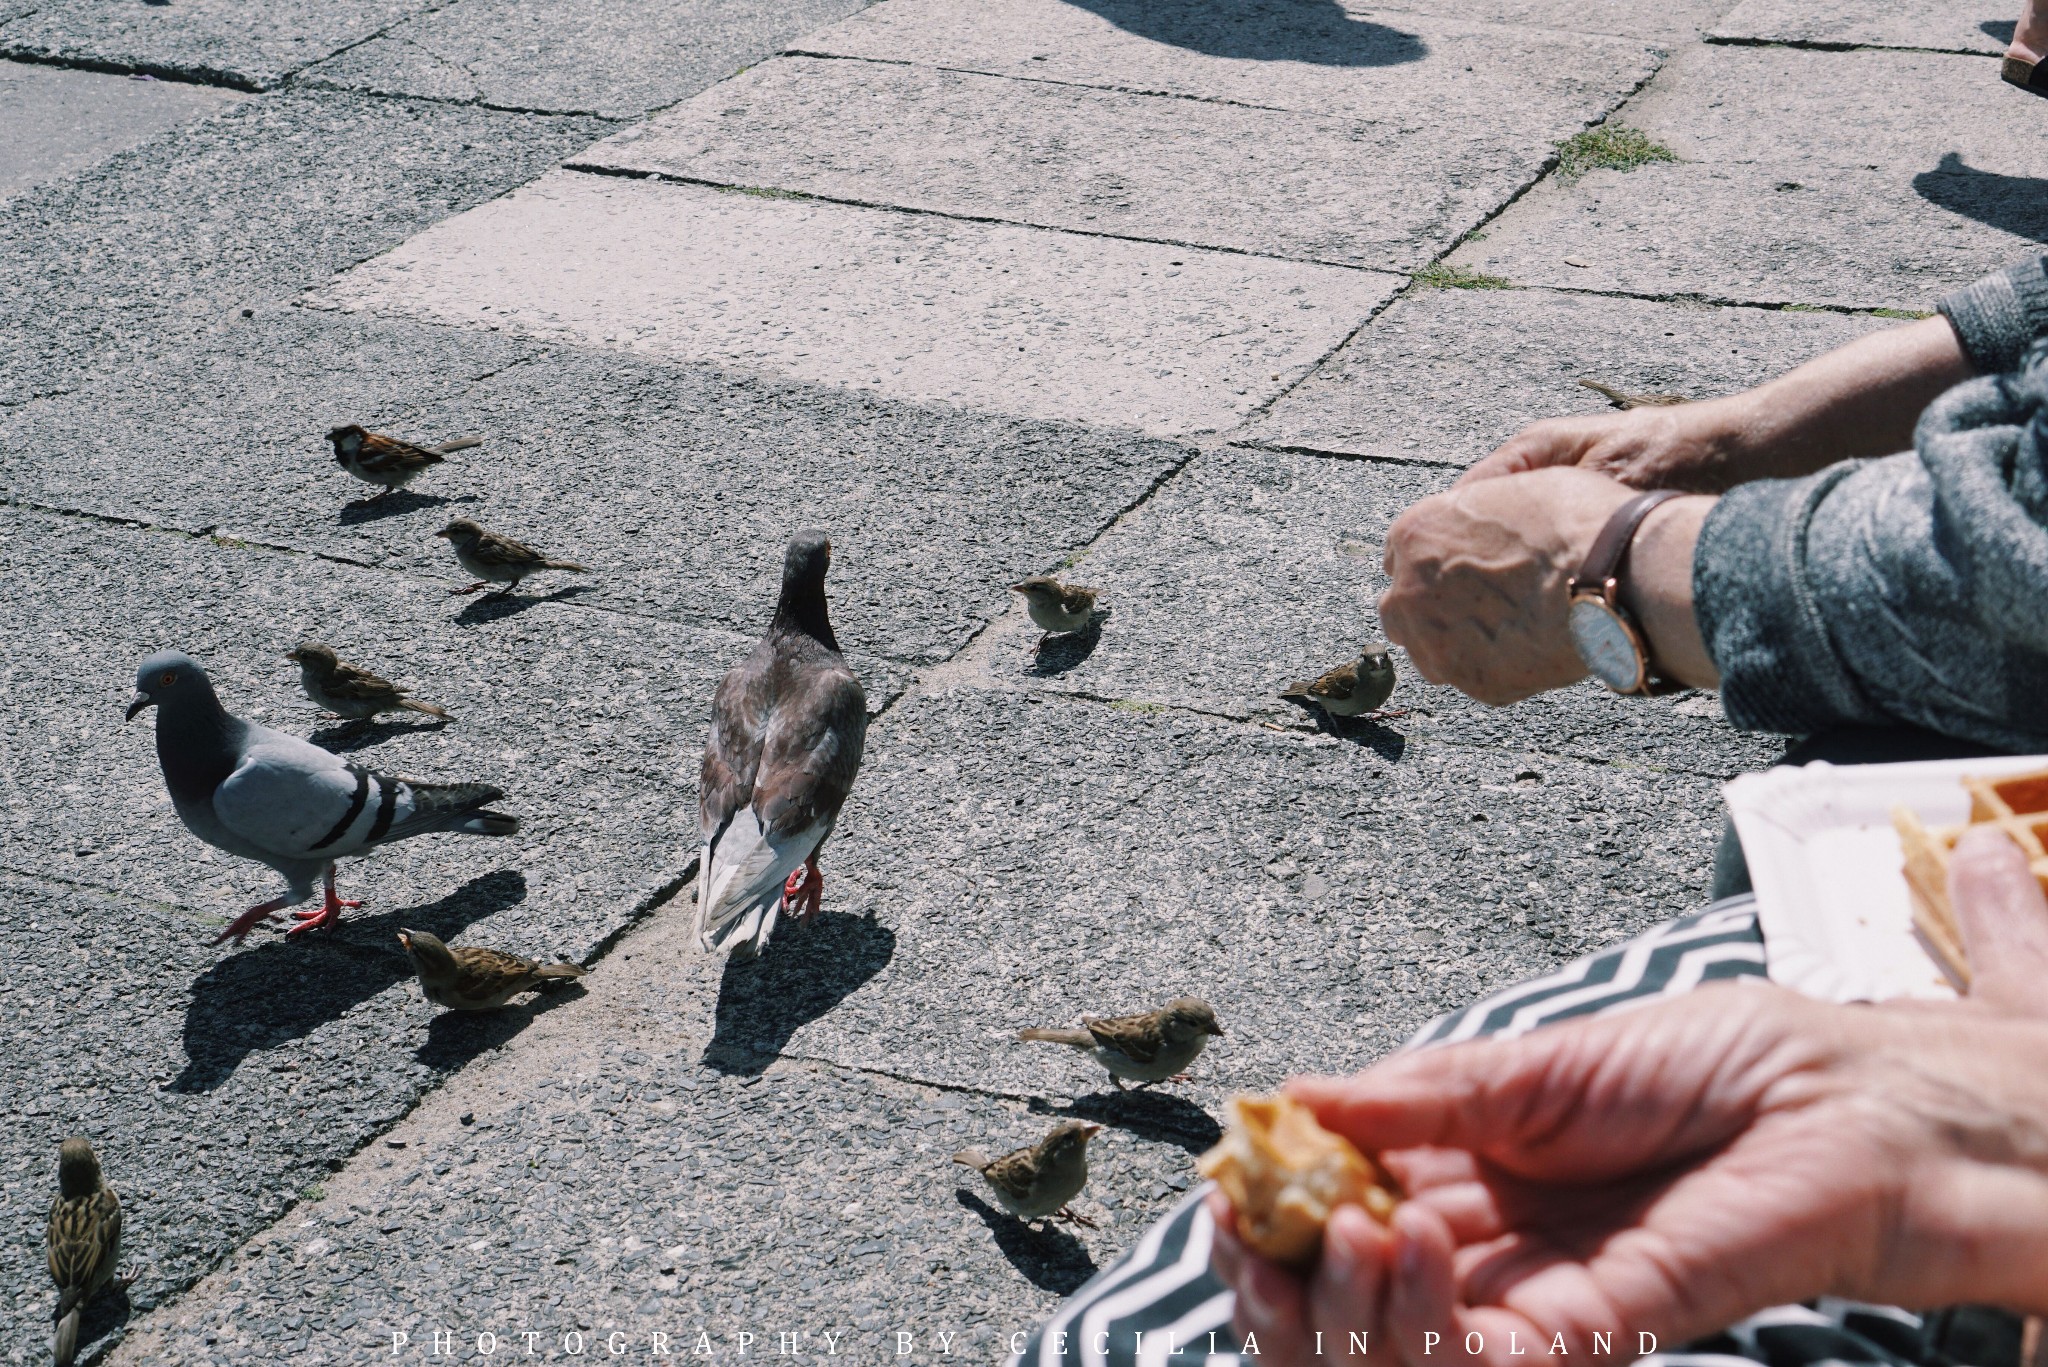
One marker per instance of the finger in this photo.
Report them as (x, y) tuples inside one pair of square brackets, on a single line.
[(1420, 1290), (1272, 1308), (1226, 1254), (1344, 1293), (2003, 918)]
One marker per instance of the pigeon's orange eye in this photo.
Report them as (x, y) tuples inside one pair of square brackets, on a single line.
[(167, 680)]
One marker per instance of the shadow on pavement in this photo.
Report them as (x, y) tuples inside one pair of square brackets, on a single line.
[(2013, 204), (283, 990), (1050, 1259), (496, 607), (351, 736), (1317, 31), (1998, 30), (374, 509), (804, 972), (1058, 654), (454, 1038), (1158, 1116)]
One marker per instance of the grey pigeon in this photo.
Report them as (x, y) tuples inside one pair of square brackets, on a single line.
[(787, 727), (260, 794)]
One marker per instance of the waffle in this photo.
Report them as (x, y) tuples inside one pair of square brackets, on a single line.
[(2018, 806)]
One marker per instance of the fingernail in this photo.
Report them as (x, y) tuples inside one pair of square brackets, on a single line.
[(1250, 1306), (1408, 1258), (1340, 1259)]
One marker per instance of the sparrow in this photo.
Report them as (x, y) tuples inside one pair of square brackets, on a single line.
[(1350, 690), (377, 459), (472, 978), (84, 1240), (1054, 606), (1623, 399), (1039, 1180), (348, 691), (495, 559), (1153, 1046)]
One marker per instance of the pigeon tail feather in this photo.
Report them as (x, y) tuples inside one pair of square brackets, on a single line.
[(487, 823), (1079, 1039), (740, 879)]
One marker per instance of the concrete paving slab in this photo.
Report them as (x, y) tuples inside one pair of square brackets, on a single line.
[(1251, 569), (682, 482), (1449, 374), (60, 122), (158, 242), (1770, 234), (251, 46), (1019, 858), (1341, 60), (1790, 106), (600, 58), (600, 1180), (1278, 183), (986, 316), (1680, 21), (1940, 25)]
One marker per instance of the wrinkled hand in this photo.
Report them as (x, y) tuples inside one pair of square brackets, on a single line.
[(1479, 575), (1685, 447), (1671, 1170)]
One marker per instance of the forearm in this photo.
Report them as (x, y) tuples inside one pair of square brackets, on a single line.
[(1658, 590)]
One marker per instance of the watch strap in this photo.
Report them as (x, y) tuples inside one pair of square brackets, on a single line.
[(1610, 548)]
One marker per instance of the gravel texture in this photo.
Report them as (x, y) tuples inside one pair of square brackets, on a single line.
[(60, 122), (1980, 26)]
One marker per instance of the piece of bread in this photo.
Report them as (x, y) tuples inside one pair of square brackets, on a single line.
[(1284, 1173)]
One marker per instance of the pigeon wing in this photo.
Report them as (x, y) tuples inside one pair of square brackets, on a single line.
[(296, 801), (1135, 1037)]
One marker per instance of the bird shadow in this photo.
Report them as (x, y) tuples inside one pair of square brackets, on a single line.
[(350, 737), (496, 607), (1315, 31), (804, 973), (1999, 30), (374, 509), (455, 1038), (1050, 1259), (2012, 204), (1058, 654), (286, 989), (1378, 737), (1150, 1114), (105, 1314)]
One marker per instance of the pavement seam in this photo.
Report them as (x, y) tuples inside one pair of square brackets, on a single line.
[(54, 882), (776, 192), (1828, 45), (214, 77), (317, 82)]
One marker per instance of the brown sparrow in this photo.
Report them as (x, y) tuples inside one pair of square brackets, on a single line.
[(84, 1240), (1054, 606), (1623, 399), (471, 978), (1153, 1046), (1350, 690), (1037, 1181), (495, 559), (377, 459), (350, 692)]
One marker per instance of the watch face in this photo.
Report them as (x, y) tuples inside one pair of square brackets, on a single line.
[(1606, 644)]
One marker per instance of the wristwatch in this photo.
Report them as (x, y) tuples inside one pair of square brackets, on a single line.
[(1603, 631)]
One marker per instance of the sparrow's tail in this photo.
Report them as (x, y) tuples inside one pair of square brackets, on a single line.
[(459, 444), (1079, 1039), (568, 565), (65, 1348), (972, 1158), (414, 705), (562, 970)]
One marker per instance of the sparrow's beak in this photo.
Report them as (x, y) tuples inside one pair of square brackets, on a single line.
[(1215, 1028), (1090, 1131), (442, 532), (137, 703), (1019, 588)]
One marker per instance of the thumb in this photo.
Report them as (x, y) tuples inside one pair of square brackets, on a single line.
[(2003, 917)]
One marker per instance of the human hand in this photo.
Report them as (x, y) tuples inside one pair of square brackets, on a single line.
[(2004, 921), (1689, 446), (1479, 574)]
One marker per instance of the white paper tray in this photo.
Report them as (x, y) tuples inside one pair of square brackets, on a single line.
[(1830, 887)]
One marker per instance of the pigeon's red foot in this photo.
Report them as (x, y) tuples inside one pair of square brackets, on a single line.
[(804, 893), (250, 919), (328, 912)]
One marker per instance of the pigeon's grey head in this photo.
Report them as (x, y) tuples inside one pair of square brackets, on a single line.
[(430, 957), (78, 1167), (313, 654), (1186, 1018), (461, 529), (348, 441), (805, 561), (170, 679)]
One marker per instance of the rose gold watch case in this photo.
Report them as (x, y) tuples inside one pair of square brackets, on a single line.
[(1603, 597)]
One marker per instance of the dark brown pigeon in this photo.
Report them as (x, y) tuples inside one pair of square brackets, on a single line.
[(787, 727)]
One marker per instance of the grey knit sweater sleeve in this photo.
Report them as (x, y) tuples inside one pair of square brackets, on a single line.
[(1909, 589), (1998, 317)]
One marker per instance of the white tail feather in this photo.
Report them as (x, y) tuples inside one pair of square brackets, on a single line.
[(739, 883)]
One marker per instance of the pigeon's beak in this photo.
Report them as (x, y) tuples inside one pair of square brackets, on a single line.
[(137, 703)]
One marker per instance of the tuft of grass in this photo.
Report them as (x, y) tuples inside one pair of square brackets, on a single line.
[(1143, 709), (1443, 277), (1610, 147), (230, 543), (1913, 315), (762, 192), (316, 1192)]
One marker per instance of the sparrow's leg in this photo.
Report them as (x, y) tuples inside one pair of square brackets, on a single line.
[(329, 912), (479, 584), (804, 893), (382, 494), (252, 918), (1386, 714), (126, 1278), (1063, 1213)]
